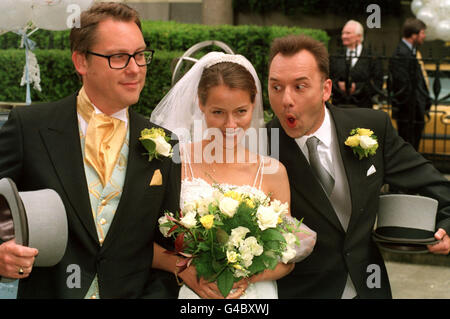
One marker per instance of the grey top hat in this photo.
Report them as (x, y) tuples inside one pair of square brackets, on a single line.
[(406, 223), (35, 219)]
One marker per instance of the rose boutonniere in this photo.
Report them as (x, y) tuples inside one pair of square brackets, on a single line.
[(363, 142), (156, 143)]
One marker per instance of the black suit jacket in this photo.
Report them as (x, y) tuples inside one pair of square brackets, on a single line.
[(366, 73), (323, 274), (40, 148), (408, 85)]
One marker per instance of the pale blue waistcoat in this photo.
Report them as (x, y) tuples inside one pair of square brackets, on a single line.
[(105, 200)]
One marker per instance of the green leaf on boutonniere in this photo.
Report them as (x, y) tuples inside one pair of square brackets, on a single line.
[(156, 143)]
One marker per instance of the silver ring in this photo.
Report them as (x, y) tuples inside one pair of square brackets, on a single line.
[(21, 271)]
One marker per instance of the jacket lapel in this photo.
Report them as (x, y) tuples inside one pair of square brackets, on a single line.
[(353, 167), (62, 140), (303, 182)]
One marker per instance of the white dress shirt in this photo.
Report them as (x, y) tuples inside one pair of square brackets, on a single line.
[(355, 55), (121, 115)]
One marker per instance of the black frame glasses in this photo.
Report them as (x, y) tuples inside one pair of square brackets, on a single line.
[(118, 58)]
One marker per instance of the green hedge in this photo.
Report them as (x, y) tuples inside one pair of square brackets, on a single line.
[(58, 77), (169, 39), (174, 36)]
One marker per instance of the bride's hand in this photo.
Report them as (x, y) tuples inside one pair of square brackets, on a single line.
[(238, 289), (202, 287)]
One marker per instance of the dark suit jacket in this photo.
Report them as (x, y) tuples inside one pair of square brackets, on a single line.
[(40, 148), (323, 274), (408, 85), (366, 70)]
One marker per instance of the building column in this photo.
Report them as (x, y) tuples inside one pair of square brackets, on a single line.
[(216, 12)]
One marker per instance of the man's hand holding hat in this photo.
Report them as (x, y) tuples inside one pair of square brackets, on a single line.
[(16, 261)]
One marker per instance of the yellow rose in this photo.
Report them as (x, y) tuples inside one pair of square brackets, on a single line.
[(352, 141), (207, 221), (234, 195), (365, 132), (250, 203)]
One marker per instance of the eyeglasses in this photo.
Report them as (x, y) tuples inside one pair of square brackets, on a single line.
[(121, 60)]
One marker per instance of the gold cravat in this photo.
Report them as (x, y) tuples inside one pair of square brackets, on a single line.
[(422, 68), (104, 138)]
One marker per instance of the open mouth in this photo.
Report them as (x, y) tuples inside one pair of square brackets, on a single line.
[(291, 121)]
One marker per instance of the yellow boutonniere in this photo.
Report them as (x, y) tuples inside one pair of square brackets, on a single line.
[(156, 143), (363, 142)]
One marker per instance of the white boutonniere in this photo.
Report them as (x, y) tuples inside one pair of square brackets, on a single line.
[(156, 143), (363, 142)]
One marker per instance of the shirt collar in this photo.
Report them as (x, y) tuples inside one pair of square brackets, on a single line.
[(323, 133), (120, 115), (409, 45), (358, 50)]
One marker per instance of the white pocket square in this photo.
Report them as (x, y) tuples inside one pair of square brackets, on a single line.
[(371, 170)]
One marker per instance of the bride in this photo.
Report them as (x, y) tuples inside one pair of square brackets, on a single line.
[(216, 111)]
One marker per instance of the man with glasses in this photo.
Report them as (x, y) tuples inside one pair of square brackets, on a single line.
[(86, 147)]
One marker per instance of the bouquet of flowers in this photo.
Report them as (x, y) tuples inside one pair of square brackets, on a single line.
[(232, 235)]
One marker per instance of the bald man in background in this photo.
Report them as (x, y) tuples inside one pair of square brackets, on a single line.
[(354, 71)]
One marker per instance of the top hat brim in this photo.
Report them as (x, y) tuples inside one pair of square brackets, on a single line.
[(404, 235), (12, 209), (39, 219), (403, 248)]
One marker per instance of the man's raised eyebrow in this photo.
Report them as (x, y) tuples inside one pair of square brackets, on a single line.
[(297, 79)]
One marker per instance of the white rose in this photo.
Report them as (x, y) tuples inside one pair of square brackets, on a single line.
[(162, 147), (278, 207), (189, 219), (164, 229), (189, 206), (288, 254), (290, 239), (237, 236), (228, 206), (290, 251), (367, 142), (246, 254), (202, 206), (267, 217), (255, 248), (217, 195)]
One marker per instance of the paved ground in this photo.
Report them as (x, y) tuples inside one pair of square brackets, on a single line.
[(408, 281), (415, 281)]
